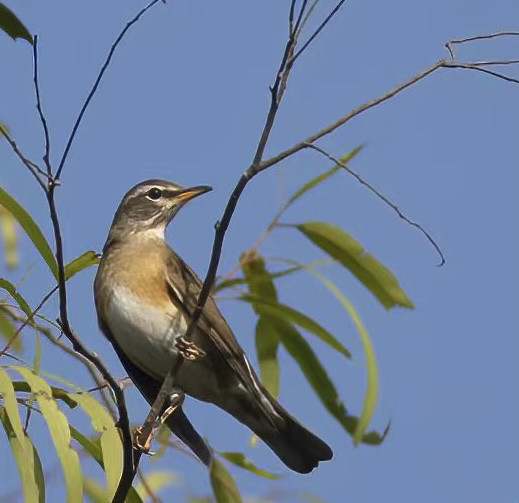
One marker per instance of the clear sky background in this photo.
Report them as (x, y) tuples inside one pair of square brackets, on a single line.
[(185, 99)]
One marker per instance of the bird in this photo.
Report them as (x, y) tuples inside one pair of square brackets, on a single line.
[(145, 295)]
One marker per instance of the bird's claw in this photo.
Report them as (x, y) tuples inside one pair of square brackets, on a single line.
[(188, 349)]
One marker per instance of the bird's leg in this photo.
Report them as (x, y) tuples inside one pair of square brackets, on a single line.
[(176, 399), (188, 349)]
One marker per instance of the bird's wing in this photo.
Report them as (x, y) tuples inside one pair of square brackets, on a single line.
[(185, 287)]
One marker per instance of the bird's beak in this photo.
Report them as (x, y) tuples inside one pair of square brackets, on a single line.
[(191, 192)]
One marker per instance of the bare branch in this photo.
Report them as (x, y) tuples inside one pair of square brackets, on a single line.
[(450, 43), (96, 84), (46, 155), (34, 169), (383, 198), (318, 30), (479, 68)]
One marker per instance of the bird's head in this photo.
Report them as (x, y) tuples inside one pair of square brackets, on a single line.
[(149, 207)]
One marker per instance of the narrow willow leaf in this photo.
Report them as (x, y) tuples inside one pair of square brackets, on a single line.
[(32, 230), (260, 284), (12, 25), (7, 331), (84, 261), (94, 491), (323, 176), (9, 236), (111, 445), (239, 459), (224, 487), (11, 289), (57, 393), (156, 481), (37, 356), (60, 434), (290, 314), (94, 449), (11, 405), (376, 277), (28, 462), (267, 344)]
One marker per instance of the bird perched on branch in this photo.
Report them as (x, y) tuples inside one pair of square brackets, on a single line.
[(145, 295)]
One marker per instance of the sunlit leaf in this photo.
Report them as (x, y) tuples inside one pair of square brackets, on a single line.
[(290, 314), (258, 279), (32, 230), (224, 487), (267, 344), (85, 260), (27, 460), (239, 459), (323, 176), (156, 481), (59, 430), (9, 236), (11, 405), (7, 331), (57, 393), (12, 25), (111, 445), (11, 289), (376, 277)]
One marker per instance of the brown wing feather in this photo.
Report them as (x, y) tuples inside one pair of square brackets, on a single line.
[(187, 284)]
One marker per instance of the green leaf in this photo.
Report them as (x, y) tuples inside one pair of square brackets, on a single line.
[(11, 405), (9, 234), (267, 344), (28, 462), (258, 278), (32, 230), (60, 434), (7, 331), (11, 289), (239, 459), (94, 491), (111, 445), (12, 25), (57, 393), (377, 278), (85, 260), (288, 313), (224, 487), (94, 449), (156, 481), (323, 176)]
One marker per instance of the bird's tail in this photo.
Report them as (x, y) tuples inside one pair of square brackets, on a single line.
[(296, 446)]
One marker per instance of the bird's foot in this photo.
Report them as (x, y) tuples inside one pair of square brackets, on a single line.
[(188, 349), (176, 399), (144, 448)]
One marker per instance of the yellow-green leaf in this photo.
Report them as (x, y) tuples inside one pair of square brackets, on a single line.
[(12, 25), (11, 289), (111, 445), (156, 481), (239, 459), (60, 433), (323, 176), (28, 462), (267, 344), (224, 487), (376, 277), (85, 260), (11, 405), (7, 330), (275, 309), (33, 231), (9, 235)]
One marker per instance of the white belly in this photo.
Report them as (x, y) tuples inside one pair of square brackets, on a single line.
[(146, 334)]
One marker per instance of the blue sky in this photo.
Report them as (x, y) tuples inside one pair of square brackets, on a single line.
[(185, 99)]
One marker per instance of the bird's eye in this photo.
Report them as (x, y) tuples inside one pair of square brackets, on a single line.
[(155, 194)]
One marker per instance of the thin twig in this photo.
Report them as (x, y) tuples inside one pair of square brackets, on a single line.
[(46, 155), (470, 66), (28, 320), (450, 43), (30, 165), (96, 84), (318, 30), (383, 198)]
